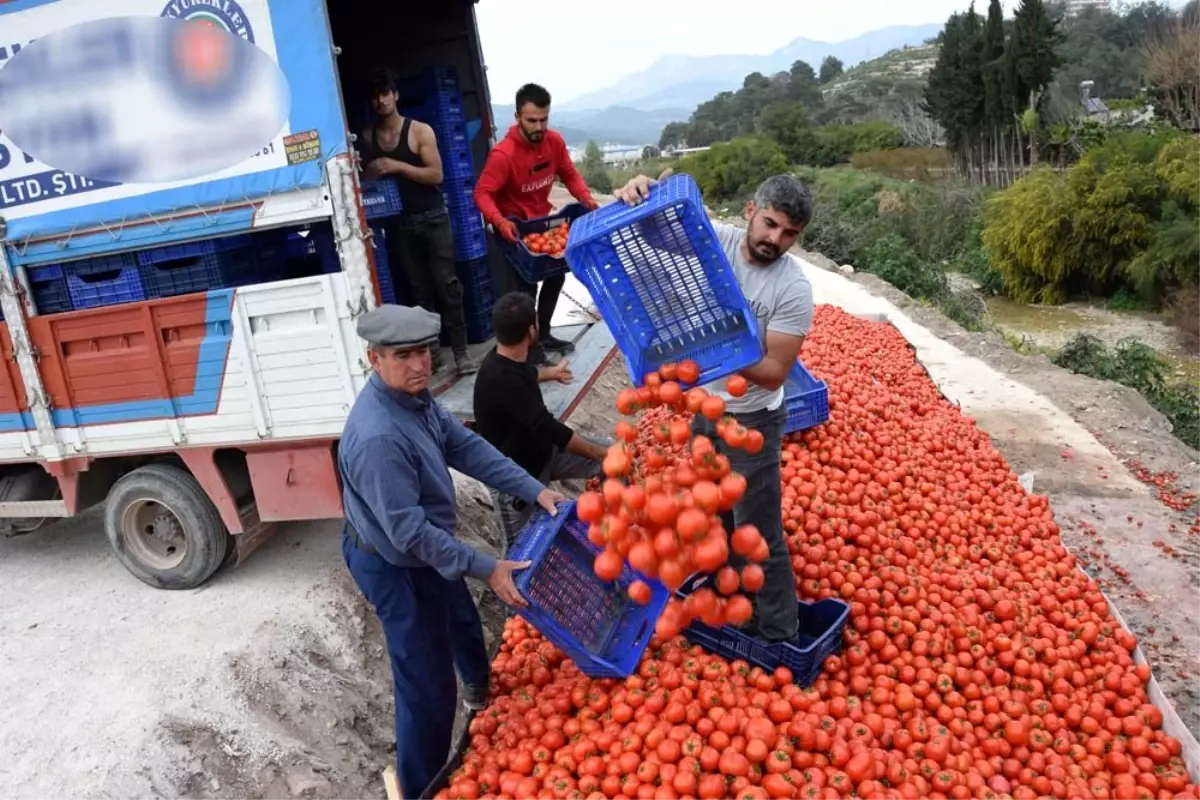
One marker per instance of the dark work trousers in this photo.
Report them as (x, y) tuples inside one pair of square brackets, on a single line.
[(428, 623), (776, 612), (562, 466), (421, 248), (546, 301)]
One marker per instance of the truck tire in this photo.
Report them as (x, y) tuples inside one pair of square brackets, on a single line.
[(164, 529)]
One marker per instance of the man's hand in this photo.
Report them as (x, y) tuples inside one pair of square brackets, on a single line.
[(590, 203), (383, 166), (549, 499), (560, 372), (507, 230), (638, 188), (501, 582)]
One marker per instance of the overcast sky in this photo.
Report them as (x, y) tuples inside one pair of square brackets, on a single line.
[(575, 47)]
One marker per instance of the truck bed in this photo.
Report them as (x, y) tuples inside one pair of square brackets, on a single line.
[(276, 362)]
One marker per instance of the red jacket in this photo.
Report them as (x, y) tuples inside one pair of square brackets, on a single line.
[(518, 176)]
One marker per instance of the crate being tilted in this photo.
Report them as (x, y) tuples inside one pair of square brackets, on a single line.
[(662, 283), (594, 622)]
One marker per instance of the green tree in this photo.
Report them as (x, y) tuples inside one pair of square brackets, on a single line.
[(831, 68), (731, 169), (1034, 56), (996, 119), (673, 135), (790, 126), (593, 170), (803, 87), (954, 94)]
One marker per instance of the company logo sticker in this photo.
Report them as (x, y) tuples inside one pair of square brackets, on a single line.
[(224, 14)]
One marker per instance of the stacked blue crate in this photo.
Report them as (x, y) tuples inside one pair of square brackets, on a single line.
[(478, 298), (88, 283), (209, 264), (434, 98)]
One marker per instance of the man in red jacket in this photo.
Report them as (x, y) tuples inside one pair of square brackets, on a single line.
[(516, 182)]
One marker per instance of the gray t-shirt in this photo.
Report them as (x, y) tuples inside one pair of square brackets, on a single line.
[(780, 296)]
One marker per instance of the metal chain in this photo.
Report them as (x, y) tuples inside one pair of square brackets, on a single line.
[(588, 310)]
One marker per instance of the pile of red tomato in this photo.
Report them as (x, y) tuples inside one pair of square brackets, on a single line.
[(553, 242), (659, 508), (979, 661)]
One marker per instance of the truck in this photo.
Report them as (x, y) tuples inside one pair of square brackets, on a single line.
[(200, 419)]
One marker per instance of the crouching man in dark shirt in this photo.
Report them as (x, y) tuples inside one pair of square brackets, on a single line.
[(511, 414)]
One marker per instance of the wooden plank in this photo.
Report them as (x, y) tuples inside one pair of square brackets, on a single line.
[(591, 352)]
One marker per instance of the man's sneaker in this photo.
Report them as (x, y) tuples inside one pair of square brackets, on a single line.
[(438, 361), (556, 345), (464, 364), (475, 697)]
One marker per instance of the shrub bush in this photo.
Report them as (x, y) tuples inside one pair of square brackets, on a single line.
[(1134, 364), (734, 168), (1126, 215), (890, 258)]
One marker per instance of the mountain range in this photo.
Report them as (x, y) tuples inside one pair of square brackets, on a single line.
[(635, 108)]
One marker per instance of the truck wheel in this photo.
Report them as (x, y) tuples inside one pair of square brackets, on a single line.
[(164, 529)]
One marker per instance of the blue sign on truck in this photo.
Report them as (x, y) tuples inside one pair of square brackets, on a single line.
[(43, 201)]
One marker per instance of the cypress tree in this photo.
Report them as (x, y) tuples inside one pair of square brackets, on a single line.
[(995, 113), (1034, 58)]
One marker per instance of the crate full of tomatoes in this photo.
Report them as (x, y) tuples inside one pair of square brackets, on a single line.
[(538, 252)]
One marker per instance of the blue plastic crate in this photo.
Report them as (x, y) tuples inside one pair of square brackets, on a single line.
[(594, 623), (536, 267), (479, 298), (806, 400), (458, 164), (383, 267), (270, 258), (189, 250), (820, 636), (201, 266), (381, 198), (660, 279), (103, 282), (445, 115), (432, 79), (49, 287), (479, 325), (470, 238), (459, 193)]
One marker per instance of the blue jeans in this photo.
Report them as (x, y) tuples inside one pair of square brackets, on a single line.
[(428, 623), (775, 606)]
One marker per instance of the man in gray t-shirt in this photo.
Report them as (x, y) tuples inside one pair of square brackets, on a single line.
[(780, 295)]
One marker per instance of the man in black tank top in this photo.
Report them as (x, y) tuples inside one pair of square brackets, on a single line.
[(420, 241)]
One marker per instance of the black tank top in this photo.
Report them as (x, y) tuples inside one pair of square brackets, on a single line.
[(417, 198)]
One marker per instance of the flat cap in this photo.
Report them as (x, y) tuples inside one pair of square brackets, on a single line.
[(399, 326)]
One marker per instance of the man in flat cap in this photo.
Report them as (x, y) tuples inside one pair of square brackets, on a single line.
[(395, 458)]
